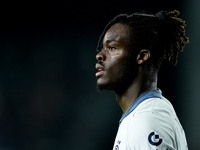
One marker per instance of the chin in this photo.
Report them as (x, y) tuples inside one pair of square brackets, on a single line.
[(118, 86), (104, 86), (100, 88)]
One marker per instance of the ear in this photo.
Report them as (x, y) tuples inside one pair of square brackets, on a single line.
[(143, 55)]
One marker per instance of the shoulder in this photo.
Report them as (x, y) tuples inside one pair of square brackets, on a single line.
[(153, 113), (151, 119)]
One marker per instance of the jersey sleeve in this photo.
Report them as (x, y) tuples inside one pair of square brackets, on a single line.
[(150, 131)]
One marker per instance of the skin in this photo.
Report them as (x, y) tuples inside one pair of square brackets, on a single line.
[(119, 72)]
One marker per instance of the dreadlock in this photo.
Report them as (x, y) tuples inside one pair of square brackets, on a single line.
[(164, 37)]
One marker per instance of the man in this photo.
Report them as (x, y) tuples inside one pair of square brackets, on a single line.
[(131, 49)]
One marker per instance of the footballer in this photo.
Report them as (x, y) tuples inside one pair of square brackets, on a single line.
[(130, 52)]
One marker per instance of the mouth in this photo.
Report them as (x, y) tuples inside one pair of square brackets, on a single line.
[(100, 70)]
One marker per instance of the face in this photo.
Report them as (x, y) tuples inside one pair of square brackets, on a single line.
[(116, 68)]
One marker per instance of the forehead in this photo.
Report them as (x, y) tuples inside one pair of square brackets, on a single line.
[(116, 32)]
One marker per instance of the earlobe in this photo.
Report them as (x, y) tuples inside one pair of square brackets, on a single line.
[(143, 55)]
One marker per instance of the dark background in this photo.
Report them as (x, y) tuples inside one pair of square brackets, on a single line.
[(48, 96)]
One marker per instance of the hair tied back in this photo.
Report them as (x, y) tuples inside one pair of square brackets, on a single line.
[(162, 17)]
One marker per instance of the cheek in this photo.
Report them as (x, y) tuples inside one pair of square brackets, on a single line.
[(125, 65), (116, 67), (117, 53)]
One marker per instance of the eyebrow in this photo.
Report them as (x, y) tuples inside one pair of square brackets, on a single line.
[(113, 40)]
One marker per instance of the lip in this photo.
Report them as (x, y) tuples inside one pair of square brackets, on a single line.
[(99, 73), (100, 70)]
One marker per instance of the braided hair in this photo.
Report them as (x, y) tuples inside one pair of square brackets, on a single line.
[(163, 34)]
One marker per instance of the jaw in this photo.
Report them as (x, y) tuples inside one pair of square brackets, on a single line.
[(117, 85), (102, 84)]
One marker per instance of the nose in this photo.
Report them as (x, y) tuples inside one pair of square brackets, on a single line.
[(101, 56)]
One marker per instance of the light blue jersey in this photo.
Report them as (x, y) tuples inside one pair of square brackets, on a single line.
[(150, 123)]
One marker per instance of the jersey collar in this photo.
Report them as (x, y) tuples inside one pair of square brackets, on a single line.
[(150, 94)]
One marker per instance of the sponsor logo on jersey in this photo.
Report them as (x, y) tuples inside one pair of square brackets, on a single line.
[(154, 139)]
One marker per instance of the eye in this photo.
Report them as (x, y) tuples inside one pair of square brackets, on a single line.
[(111, 48)]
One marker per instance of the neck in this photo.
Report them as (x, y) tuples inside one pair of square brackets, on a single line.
[(139, 86)]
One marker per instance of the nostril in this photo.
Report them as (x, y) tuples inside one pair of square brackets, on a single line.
[(100, 58)]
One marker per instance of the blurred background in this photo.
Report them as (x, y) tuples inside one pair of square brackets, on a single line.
[(48, 96)]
